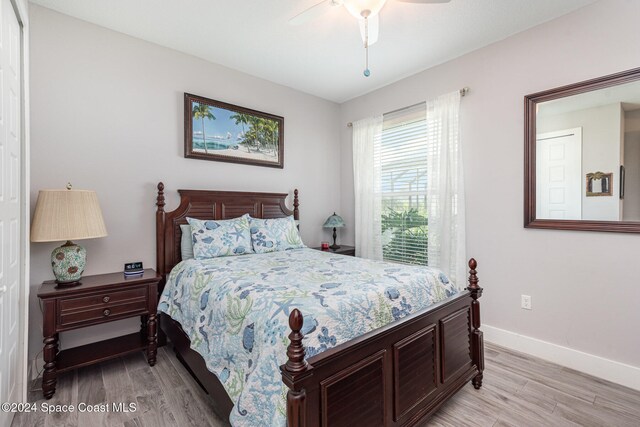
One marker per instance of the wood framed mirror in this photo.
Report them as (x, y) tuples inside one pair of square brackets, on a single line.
[(582, 155)]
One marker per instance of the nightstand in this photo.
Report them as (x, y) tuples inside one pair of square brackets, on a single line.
[(99, 299), (344, 250)]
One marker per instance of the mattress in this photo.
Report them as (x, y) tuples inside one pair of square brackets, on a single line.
[(235, 312)]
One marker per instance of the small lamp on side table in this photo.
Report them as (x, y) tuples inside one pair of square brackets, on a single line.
[(67, 215), (334, 221)]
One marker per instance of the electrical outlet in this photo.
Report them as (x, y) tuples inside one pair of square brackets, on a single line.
[(525, 302)]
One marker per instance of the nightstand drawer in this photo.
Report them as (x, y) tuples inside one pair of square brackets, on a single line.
[(89, 316), (103, 299)]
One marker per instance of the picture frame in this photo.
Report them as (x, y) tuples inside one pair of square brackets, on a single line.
[(622, 181), (223, 132), (599, 184)]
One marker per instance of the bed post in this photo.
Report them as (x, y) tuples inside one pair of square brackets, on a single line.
[(294, 371), (296, 212), (477, 342), (160, 259)]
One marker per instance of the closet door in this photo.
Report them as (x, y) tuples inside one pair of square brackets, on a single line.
[(10, 213)]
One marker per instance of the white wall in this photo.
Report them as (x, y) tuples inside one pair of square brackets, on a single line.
[(601, 151), (632, 166), (632, 176), (107, 115), (583, 284)]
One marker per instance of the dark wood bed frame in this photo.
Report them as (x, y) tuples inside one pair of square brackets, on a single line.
[(398, 375)]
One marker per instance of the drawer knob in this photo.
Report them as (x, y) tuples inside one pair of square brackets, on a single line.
[(106, 312), (105, 299)]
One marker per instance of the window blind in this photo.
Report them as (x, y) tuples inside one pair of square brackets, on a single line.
[(403, 160)]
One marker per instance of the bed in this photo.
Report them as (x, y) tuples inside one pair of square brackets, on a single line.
[(396, 374)]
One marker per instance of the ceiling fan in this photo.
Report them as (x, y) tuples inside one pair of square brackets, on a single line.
[(365, 11)]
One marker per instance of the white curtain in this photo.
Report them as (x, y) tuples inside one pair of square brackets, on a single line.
[(367, 135), (445, 188)]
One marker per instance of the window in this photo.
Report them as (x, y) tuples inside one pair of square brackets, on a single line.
[(403, 160)]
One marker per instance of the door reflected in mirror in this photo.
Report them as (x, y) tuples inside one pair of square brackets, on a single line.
[(587, 155)]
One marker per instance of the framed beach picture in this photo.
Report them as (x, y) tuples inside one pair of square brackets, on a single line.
[(215, 130)]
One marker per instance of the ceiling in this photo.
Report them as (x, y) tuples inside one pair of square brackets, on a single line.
[(324, 57)]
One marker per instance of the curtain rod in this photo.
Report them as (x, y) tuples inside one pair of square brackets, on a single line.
[(463, 92)]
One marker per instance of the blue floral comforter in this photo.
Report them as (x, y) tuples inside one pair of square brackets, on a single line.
[(235, 311)]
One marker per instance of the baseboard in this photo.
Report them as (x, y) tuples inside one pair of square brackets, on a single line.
[(597, 366)]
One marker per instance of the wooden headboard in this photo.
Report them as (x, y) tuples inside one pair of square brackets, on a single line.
[(203, 204)]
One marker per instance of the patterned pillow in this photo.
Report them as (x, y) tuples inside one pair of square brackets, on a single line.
[(277, 234), (215, 238)]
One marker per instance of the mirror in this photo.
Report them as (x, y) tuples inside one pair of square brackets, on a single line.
[(582, 155)]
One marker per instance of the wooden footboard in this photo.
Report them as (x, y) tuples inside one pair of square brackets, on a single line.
[(397, 375)]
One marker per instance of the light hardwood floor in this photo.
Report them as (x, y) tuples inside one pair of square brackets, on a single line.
[(518, 390)]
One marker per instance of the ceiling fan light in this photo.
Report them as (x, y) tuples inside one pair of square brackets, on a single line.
[(356, 7)]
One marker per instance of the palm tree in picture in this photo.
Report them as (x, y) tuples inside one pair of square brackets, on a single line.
[(271, 135), (257, 131), (242, 119), (201, 112)]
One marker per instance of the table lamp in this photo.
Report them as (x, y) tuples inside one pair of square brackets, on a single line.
[(67, 215), (334, 221)]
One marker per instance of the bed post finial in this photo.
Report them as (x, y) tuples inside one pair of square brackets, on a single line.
[(477, 341), (296, 212), (473, 277), (294, 371), (295, 350), (160, 255), (160, 199)]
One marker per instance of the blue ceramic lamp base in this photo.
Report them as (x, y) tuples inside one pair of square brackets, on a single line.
[(68, 262)]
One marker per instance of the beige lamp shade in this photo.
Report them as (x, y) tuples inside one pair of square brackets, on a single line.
[(67, 215)]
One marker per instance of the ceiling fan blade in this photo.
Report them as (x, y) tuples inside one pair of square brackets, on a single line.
[(374, 29), (424, 1), (314, 12)]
